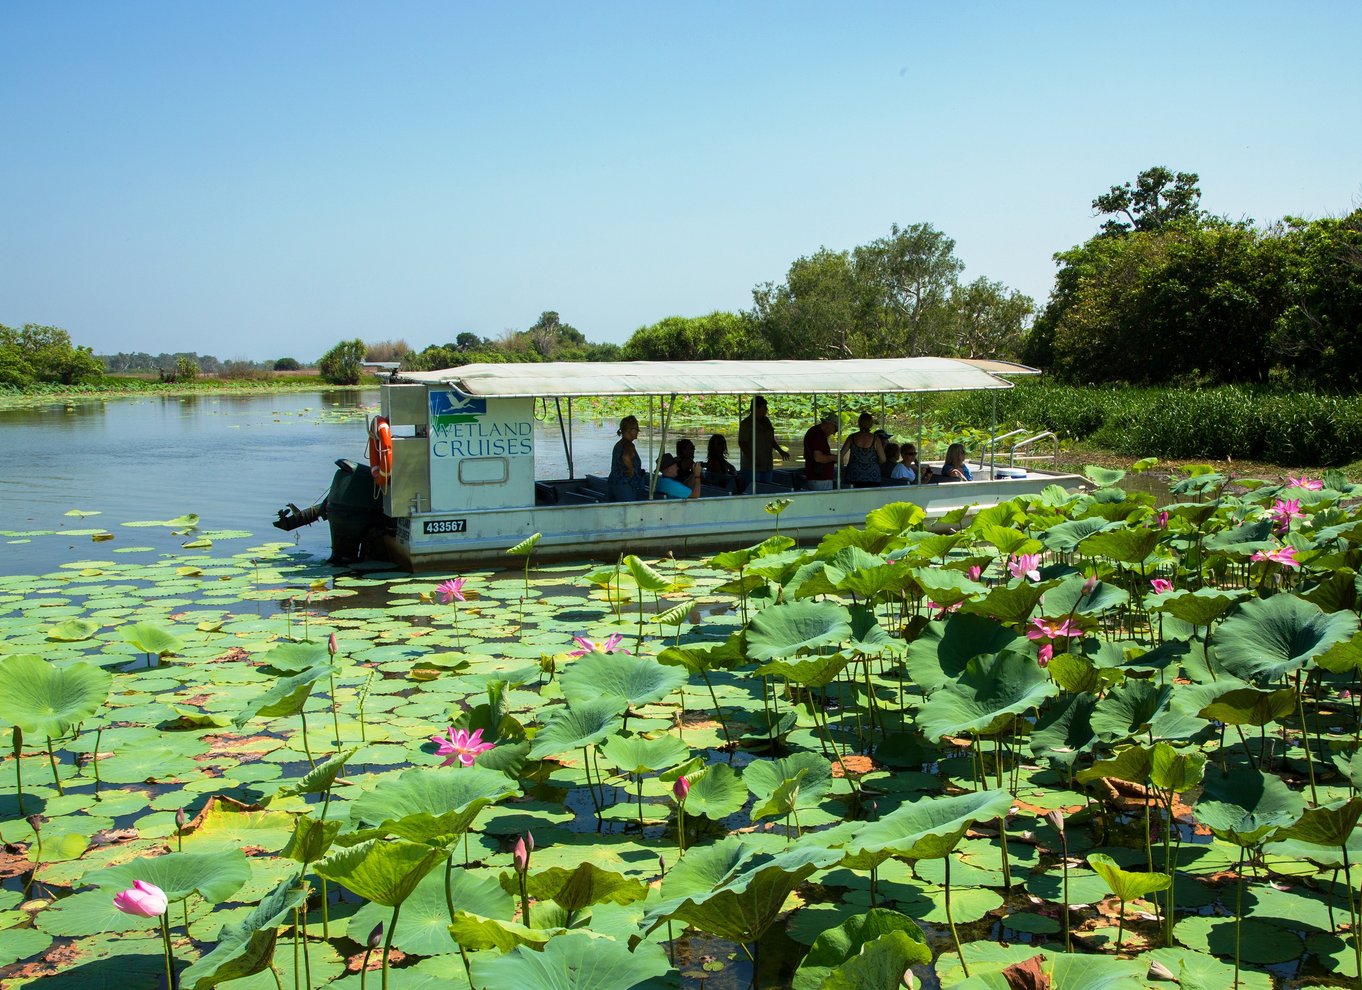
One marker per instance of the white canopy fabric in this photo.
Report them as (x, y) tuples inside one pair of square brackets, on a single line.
[(851, 377)]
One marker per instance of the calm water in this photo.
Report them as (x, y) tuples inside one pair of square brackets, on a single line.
[(235, 460)]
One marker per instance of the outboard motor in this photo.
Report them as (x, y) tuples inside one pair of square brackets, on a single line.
[(353, 509)]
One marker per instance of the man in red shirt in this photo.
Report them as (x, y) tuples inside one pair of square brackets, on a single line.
[(819, 462)]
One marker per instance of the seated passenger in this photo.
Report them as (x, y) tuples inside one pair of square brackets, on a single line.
[(718, 470), (906, 469), (955, 468), (891, 461), (686, 468), (862, 455), (628, 481), (668, 486)]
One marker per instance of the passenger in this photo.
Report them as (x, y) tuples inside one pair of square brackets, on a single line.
[(686, 468), (819, 462), (891, 461), (628, 482), (719, 471), (669, 486), (766, 443), (862, 455), (906, 469), (955, 468)]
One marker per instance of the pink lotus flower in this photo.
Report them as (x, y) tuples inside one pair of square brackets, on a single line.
[(332, 646), (1090, 585), (1161, 586), (1286, 556), (460, 747), (1050, 629), (680, 789), (521, 855), (451, 591), (585, 646), (1163, 520), (1046, 654), (945, 609), (975, 572), (1026, 565), (1284, 510), (146, 900), (1309, 484)]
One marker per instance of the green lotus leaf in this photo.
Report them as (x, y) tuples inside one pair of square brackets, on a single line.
[(939, 655), (574, 961), (286, 696), (1125, 546), (895, 518), (732, 889), (946, 587), (246, 948), (868, 582), (674, 616), (1065, 971), (214, 876), (638, 754), (1065, 731), (779, 567), (384, 872), (1250, 706), (1327, 825), (699, 658), (880, 965), (578, 726), (1124, 884), (1012, 603), (311, 839), (868, 638), (737, 560), (1246, 806), (645, 576), (1128, 709), (1106, 477), (1009, 541), (985, 697), (1065, 537), (1268, 638), (811, 672), (424, 926), (1076, 673), (578, 888), (1069, 598), (151, 638), (293, 658), (1133, 763), (1200, 607), (1174, 769), (73, 630), (526, 546), (636, 680), (45, 700), (811, 773), (198, 718), (320, 778), (474, 933), (840, 945), (715, 793), (431, 805), (781, 631), (928, 828), (1243, 540)]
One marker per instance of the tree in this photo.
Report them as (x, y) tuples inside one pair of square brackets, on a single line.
[(287, 364), (1158, 198), (467, 341), (186, 369), (388, 350), (36, 353), (1319, 331), (909, 274), (816, 312), (343, 364), (718, 336), (986, 319)]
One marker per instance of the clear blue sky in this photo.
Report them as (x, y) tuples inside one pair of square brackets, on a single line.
[(257, 179)]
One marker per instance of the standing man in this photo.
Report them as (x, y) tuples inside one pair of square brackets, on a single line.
[(819, 462), (756, 426)]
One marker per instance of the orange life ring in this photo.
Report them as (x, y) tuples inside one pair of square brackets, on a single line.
[(380, 451)]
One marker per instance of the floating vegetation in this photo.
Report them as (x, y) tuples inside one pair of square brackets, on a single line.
[(1079, 741)]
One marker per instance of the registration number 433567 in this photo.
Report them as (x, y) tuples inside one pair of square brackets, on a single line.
[(445, 526)]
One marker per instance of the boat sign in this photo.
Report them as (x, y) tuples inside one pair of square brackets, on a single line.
[(445, 526)]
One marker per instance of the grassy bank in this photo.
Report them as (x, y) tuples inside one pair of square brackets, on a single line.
[(126, 386)]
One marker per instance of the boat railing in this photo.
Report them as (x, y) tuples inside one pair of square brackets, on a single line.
[(1024, 445), (990, 446)]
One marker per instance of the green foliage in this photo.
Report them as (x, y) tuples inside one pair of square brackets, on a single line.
[(342, 364), (287, 364), (1158, 198), (718, 336), (35, 354)]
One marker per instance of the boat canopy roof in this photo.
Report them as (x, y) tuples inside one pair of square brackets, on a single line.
[(862, 376)]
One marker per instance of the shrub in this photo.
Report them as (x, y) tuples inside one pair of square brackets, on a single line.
[(343, 364), (287, 364)]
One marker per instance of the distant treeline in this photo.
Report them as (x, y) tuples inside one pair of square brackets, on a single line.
[(142, 363)]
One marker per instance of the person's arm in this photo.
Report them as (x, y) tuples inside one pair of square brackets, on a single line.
[(846, 451)]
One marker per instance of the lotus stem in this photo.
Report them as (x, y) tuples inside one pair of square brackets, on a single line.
[(278, 983), (18, 738), (1121, 930), (1352, 911), (639, 778), (170, 961), (326, 921), (307, 951), (1064, 863), (1238, 915), (681, 829), (1170, 899), (586, 768), (52, 759), (1305, 738), (306, 748), (449, 890), (950, 919), (98, 733), (388, 943), (335, 718)]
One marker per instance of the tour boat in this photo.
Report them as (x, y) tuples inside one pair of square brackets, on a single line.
[(452, 476)]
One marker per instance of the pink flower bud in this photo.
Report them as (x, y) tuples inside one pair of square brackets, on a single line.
[(521, 856), (332, 646), (145, 900), (376, 936), (680, 789)]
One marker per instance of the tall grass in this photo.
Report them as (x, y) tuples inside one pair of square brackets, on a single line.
[(1289, 428)]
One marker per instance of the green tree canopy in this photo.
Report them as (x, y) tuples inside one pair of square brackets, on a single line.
[(1158, 198), (343, 364), (718, 336), (34, 354)]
